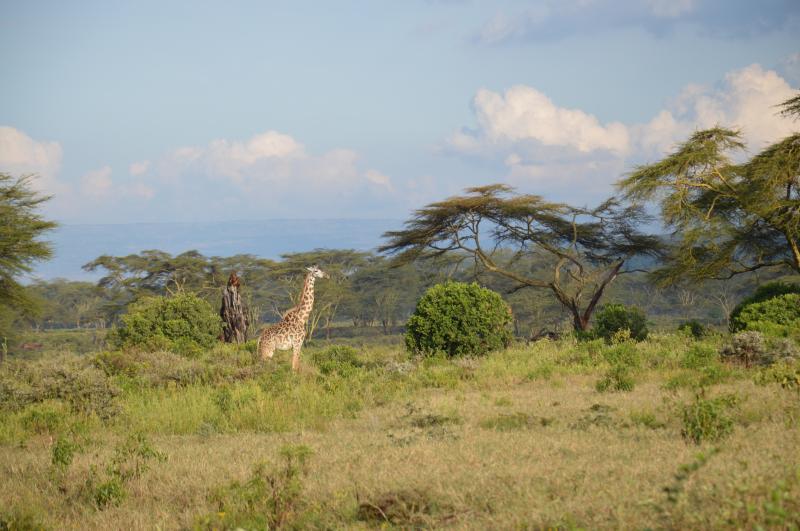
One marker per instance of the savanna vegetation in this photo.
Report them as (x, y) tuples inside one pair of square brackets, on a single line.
[(504, 362)]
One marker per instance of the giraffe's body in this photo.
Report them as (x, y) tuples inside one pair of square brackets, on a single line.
[(290, 332)]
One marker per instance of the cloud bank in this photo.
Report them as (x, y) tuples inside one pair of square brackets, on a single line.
[(551, 147)]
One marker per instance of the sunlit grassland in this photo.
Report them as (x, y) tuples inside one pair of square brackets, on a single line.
[(518, 439)]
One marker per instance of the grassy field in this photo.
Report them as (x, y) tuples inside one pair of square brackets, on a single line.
[(660, 434)]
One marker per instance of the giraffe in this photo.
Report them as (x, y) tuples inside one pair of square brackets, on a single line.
[(290, 332)]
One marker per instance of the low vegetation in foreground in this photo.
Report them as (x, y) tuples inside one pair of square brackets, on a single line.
[(665, 433)]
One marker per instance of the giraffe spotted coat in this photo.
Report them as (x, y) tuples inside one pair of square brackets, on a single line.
[(290, 332)]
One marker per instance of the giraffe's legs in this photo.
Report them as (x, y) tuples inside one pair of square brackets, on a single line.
[(265, 349), (296, 357)]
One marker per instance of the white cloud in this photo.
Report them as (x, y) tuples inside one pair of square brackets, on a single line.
[(524, 113), (20, 154), (138, 168), (541, 144), (745, 100), (376, 177), (97, 183), (273, 174)]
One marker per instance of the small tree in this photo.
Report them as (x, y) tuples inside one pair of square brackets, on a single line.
[(20, 247), (460, 320), (587, 248)]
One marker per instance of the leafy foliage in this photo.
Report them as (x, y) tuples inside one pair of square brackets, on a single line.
[(727, 218), (459, 319), (763, 293), (613, 318), (339, 360), (85, 389), (774, 310), (20, 247), (587, 248), (694, 328), (183, 323), (708, 419)]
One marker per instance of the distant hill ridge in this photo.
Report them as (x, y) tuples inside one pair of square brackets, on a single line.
[(75, 245)]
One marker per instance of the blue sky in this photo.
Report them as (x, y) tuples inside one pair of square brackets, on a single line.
[(203, 111)]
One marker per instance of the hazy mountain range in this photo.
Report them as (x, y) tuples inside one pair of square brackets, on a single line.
[(75, 245)]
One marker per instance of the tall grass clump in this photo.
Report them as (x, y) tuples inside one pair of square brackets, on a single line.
[(459, 319), (271, 498), (182, 323)]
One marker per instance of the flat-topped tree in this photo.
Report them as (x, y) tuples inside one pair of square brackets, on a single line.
[(725, 218), (588, 248)]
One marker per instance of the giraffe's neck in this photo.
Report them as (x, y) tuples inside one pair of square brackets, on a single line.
[(306, 297)]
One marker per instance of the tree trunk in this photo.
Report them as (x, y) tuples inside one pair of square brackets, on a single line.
[(233, 313)]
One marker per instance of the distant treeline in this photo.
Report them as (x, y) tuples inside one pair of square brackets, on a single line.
[(365, 290)]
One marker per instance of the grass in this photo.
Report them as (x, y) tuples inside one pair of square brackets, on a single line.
[(518, 439)]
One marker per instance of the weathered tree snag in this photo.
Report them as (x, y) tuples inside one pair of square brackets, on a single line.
[(233, 313)]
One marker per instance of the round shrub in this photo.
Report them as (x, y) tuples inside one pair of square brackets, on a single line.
[(614, 318), (459, 319), (763, 293), (778, 316), (693, 328), (183, 323)]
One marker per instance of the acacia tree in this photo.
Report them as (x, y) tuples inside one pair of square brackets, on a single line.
[(156, 272), (588, 248), (21, 226), (725, 218)]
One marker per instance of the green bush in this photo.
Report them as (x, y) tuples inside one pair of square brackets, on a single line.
[(693, 328), (614, 318), (617, 378), (459, 319), (708, 419), (183, 323), (778, 316), (763, 293), (340, 360), (73, 381), (699, 356), (786, 374)]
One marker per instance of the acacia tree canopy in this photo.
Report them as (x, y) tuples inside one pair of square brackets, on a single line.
[(588, 247), (21, 226), (725, 218)]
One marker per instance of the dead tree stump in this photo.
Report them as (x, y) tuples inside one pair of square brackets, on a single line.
[(233, 313)]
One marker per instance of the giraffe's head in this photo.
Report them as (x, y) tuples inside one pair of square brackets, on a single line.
[(317, 272)]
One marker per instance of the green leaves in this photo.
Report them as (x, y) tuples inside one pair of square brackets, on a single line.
[(727, 218), (459, 319), (183, 323), (587, 247), (20, 247)]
